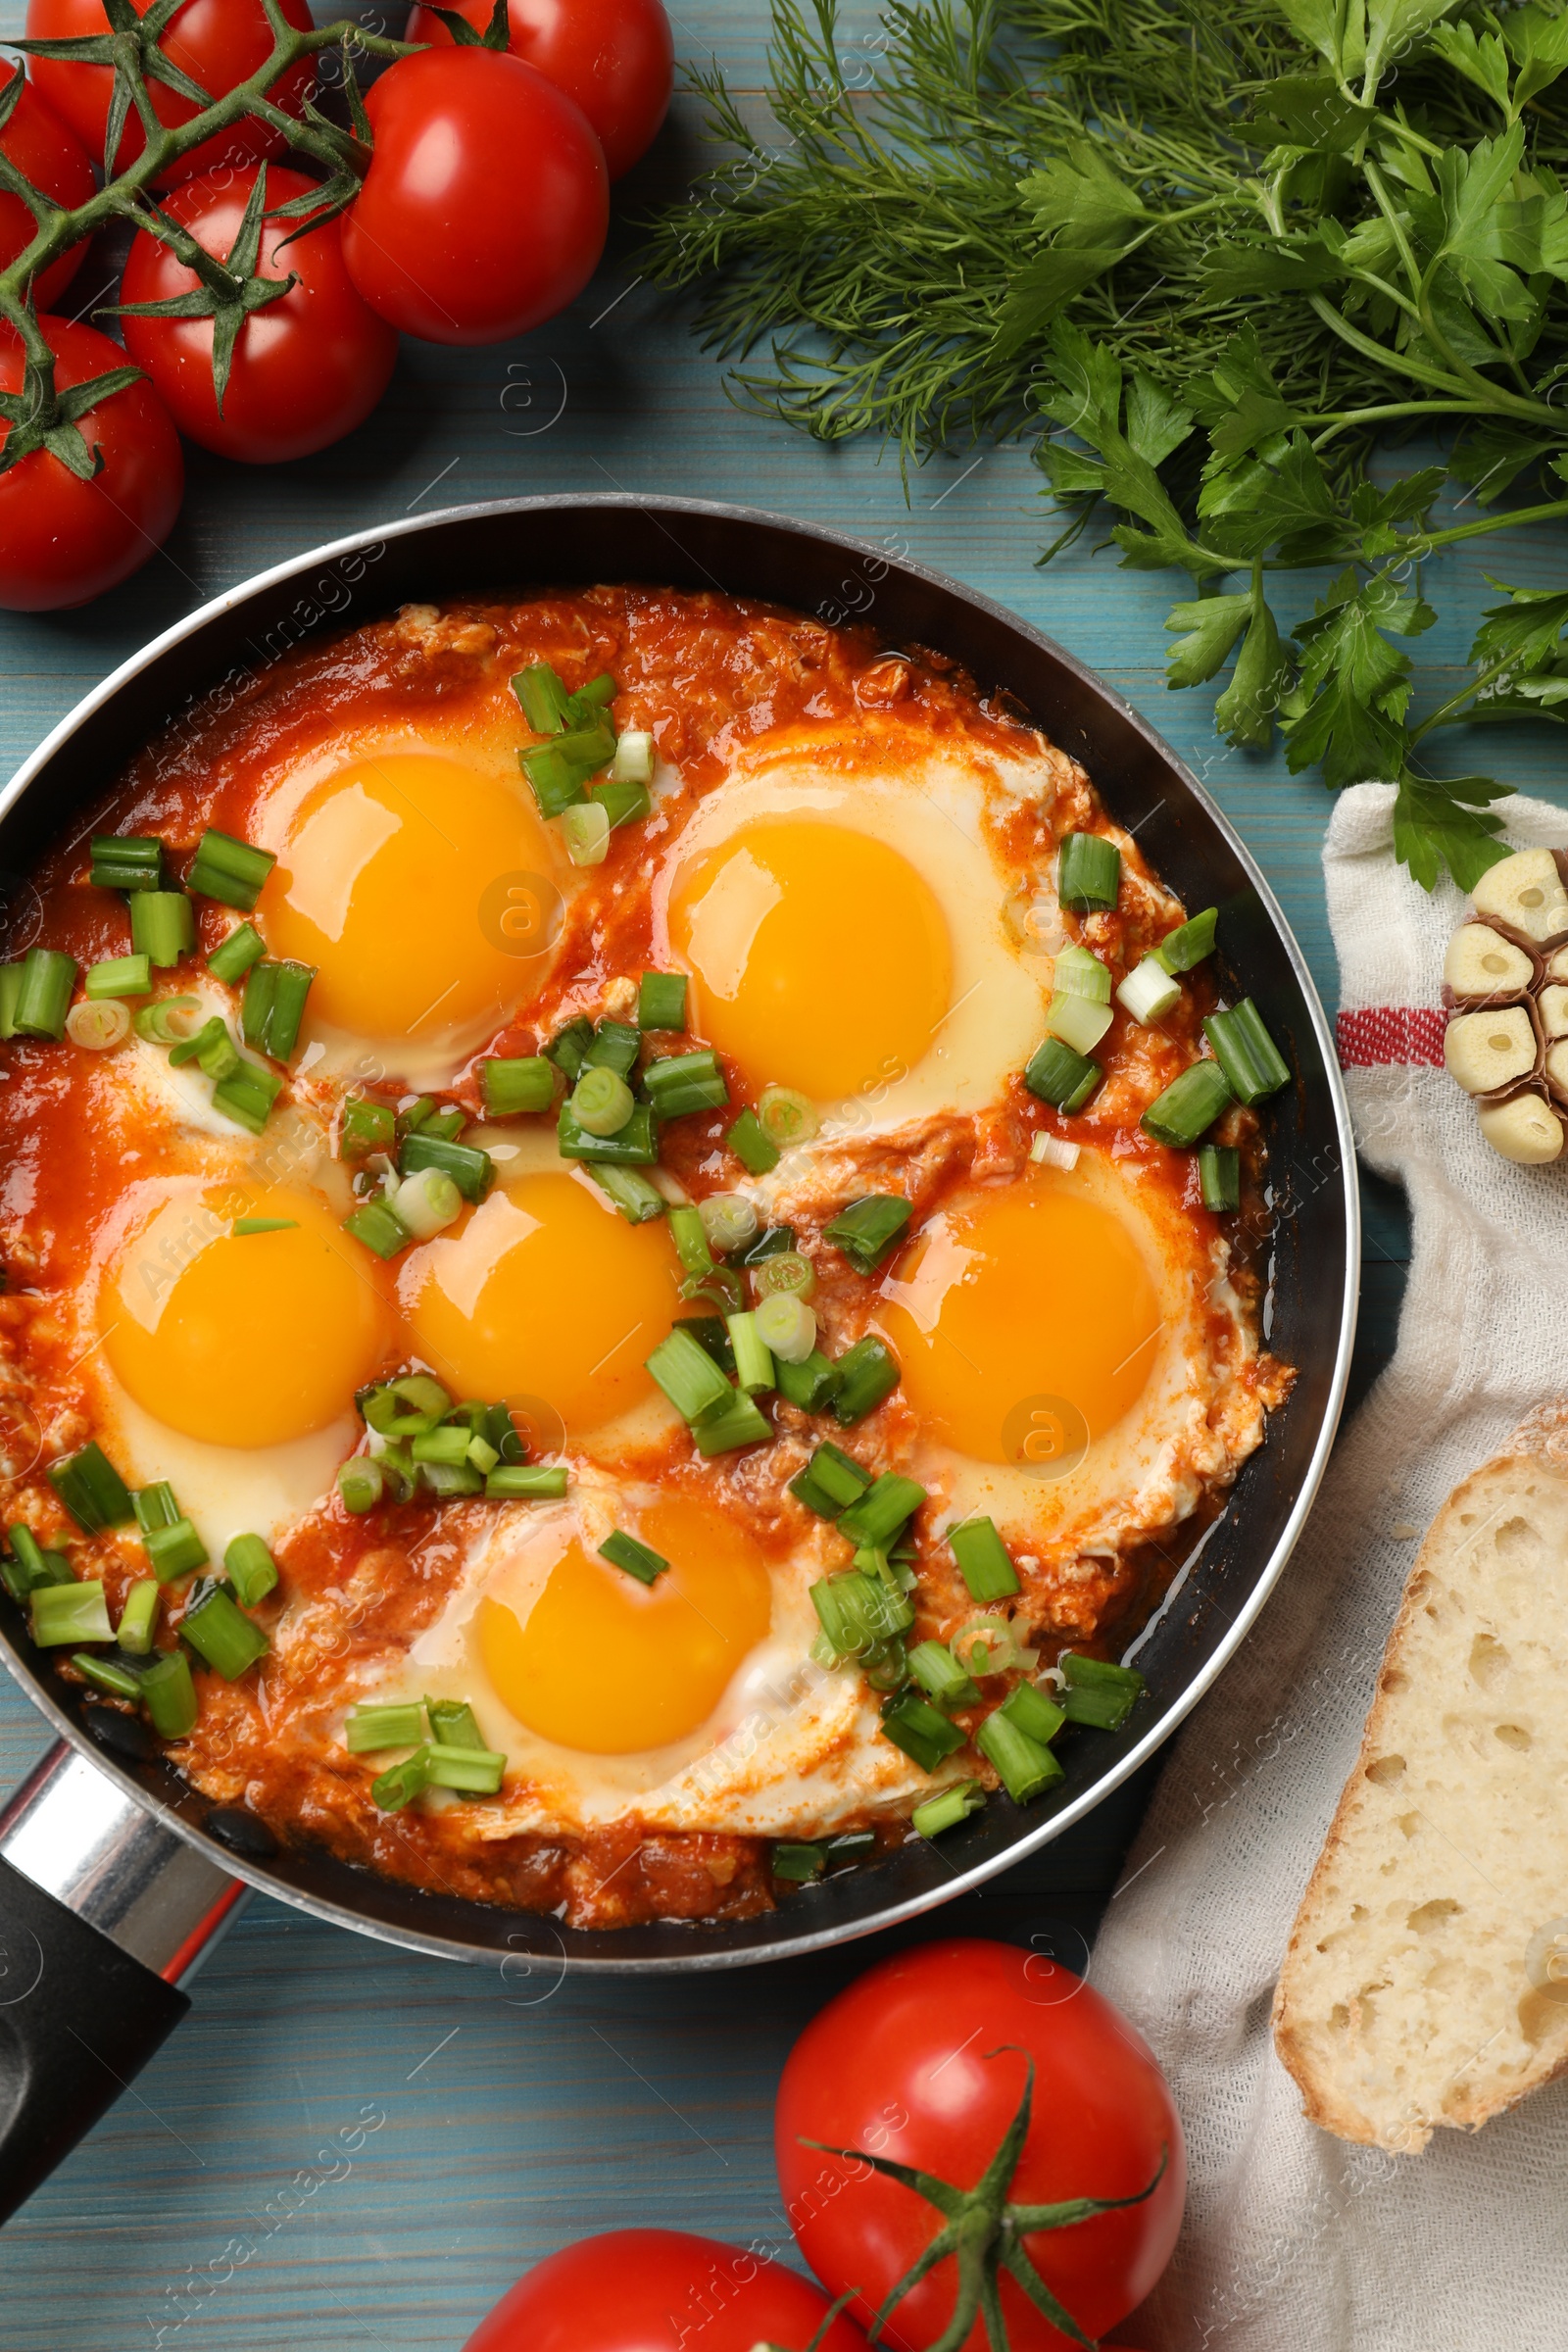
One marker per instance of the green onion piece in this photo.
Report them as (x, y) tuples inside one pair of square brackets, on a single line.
[(446, 1125), (1088, 873), (450, 1478), (273, 1006), (1078, 972), (378, 1226), (1033, 1712), (661, 1000), (867, 1372), (1148, 992), (360, 1484), (796, 1864), (543, 696), (685, 1082), (857, 1612), (787, 1274), (471, 1170), (876, 1516), (690, 1237), (753, 1364), (786, 1327), (730, 1221), (174, 1552), (247, 1094), (585, 829), (232, 958), (592, 697), (1189, 943), (752, 1146), (454, 1724), (1026, 1768), (1219, 1172), (637, 1197), (529, 1482), (806, 1490), (10, 991), (123, 1680), (808, 1385), (402, 1782), (568, 1049), (92, 1489), (983, 1561), (710, 1333), (787, 1116), (416, 1117), (945, 1810), (450, 1446), (624, 1551), (72, 1612), (427, 1202), (1061, 1076), (623, 801), (162, 926), (139, 1618), (170, 1695), (43, 995), (228, 870), (30, 1566), (738, 1424), (556, 783), (941, 1676), (212, 1047), (924, 1735), (1189, 1104), (475, 1772), (365, 1127), (1245, 1053), (838, 1473), (867, 1229), (584, 747), (167, 1021), (98, 1026), (633, 762), (154, 1506), (1098, 1692), (525, 1084), (851, 1846), (482, 1456), (255, 1008), (633, 1146), (1076, 1022), (120, 976), (221, 1632), (393, 1724), (404, 1408), (689, 1376), (602, 1102), (252, 1569), (616, 1046), (127, 861)]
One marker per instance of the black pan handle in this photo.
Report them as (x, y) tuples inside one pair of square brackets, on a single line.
[(103, 1913)]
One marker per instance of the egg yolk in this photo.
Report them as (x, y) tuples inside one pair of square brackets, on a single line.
[(240, 1337), (393, 882), (822, 957), (544, 1291), (1024, 1297), (605, 1663)]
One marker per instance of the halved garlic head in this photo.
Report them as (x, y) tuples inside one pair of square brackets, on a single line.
[(1481, 963), (1488, 1049), (1526, 892), (1525, 1130), (1553, 1003)]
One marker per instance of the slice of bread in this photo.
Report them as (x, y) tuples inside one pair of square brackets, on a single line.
[(1426, 1981)]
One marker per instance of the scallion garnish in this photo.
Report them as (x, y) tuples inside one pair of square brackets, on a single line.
[(174, 1550), (983, 1561), (427, 1202), (623, 801), (447, 1479), (839, 1475), (600, 1101), (221, 1632), (446, 1444), (1077, 1022), (688, 1375), (70, 1612), (10, 991), (92, 1489), (1148, 992), (557, 784), (475, 1772), (169, 1021), (946, 1808), (925, 1736), (690, 1236), (585, 830), (247, 1094), (404, 1408), (1098, 1692), (366, 1127), (402, 1782), (633, 764), (566, 1050), (170, 1695), (162, 926), (212, 1046), (542, 694), (395, 1724), (739, 1423), (867, 1372), (129, 861), (633, 1146), (273, 1006), (796, 1864), (614, 1046), (471, 1170), (633, 1193), (1246, 1053), (1061, 1076), (1079, 972), (753, 1362), (941, 1676), (154, 1506), (685, 1082), (857, 1612), (243, 1227), (876, 1516), (525, 1083), (868, 1228), (378, 1226), (526, 1481), (1219, 1172), (752, 1146), (661, 999), (360, 1484), (109, 1673), (98, 1027), (808, 1385), (251, 1569), (1189, 943), (786, 1327), (232, 958), (637, 1560), (1189, 1105), (29, 1565), (1033, 1712), (228, 870), (1088, 873), (454, 1724), (43, 993), (139, 1618), (120, 976), (730, 1221), (787, 1116), (1026, 1768)]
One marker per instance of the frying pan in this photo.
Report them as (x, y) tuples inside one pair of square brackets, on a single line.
[(115, 1876)]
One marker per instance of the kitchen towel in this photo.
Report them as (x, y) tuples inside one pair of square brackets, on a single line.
[(1294, 2242)]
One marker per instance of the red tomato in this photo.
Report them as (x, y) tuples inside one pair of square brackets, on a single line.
[(615, 57), (485, 207), (64, 540), (647, 2290), (55, 159), (217, 42), (306, 369), (923, 2062)]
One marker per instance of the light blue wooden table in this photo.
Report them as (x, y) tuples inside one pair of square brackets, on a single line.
[(507, 2129)]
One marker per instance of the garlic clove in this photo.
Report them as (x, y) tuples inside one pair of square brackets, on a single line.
[(1484, 1051), (1482, 963), (1557, 966), (1557, 1067), (1554, 1004), (1524, 1128), (1527, 893)]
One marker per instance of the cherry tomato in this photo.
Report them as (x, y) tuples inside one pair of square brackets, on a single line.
[(485, 207), (646, 2290), (615, 57), (64, 540), (923, 2062), (217, 42), (55, 159), (306, 369)]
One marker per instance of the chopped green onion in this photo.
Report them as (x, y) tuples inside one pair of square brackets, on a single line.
[(416, 1117), (753, 1364), (661, 999), (983, 1561), (810, 1386), (636, 1197), (924, 1735), (1026, 1768), (43, 995), (857, 1612), (945, 1810), (634, 1144), (397, 1786), (251, 1568), (162, 926), (247, 1094), (567, 1051), (851, 1846), (378, 1226), (752, 1146), (92, 1489), (787, 1274), (471, 1170), (1219, 1172), (30, 1565), (986, 1646), (525, 1083), (1079, 972), (108, 1675), (623, 802), (366, 1127), (139, 1618), (637, 1560), (616, 1046), (1189, 1105), (685, 1082), (396, 1724), (1148, 992), (71, 1612), (1189, 943), (482, 1456), (941, 1676), (454, 1724), (729, 1220), (127, 861), (690, 1237), (1061, 1076), (740, 1423), (1033, 1712), (154, 1506), (404, 1408), (1077, 1022), (796, 1864), (445, 1126), (120, 976), (876, 1516), (633, 762), (867, 1372), (169, 1021), (786, 1327), (427, 1202), (867, 1229), (602, 1102), (590, 698), (586, 833), (450, 1478), (170, 1695), (710, 1333), (360, 1484), (477, 1771), (1088, 873), (211, 1045), (1051, 1152), (10, 990), (530, 1482), (772, 1242), (1245, 1053), (228, 870), (449, 1445), (99, 1027), (232, 958), (273, 1006), (174, 1552), (542, 694), (556, 783), (840, 1475), (1098, 1692), (689, 1376), (787, 1116)]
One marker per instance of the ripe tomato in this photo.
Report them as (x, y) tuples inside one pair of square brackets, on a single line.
[(615, 57), (55, 159), (923, 2062), (64, 540), (217, 42), (485, 207), (306, 369), (645, 2290)]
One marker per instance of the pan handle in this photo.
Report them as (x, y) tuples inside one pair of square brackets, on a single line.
[(103, 1913)]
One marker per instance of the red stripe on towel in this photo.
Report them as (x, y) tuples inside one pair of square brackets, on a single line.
[(1391, 1033)]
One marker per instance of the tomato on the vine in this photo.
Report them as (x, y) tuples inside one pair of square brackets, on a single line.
[(925, 2062), (615, 57), (306, 367), (218, 43), (49, 154), (485, 206), (64, 538), (645, 2290)]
